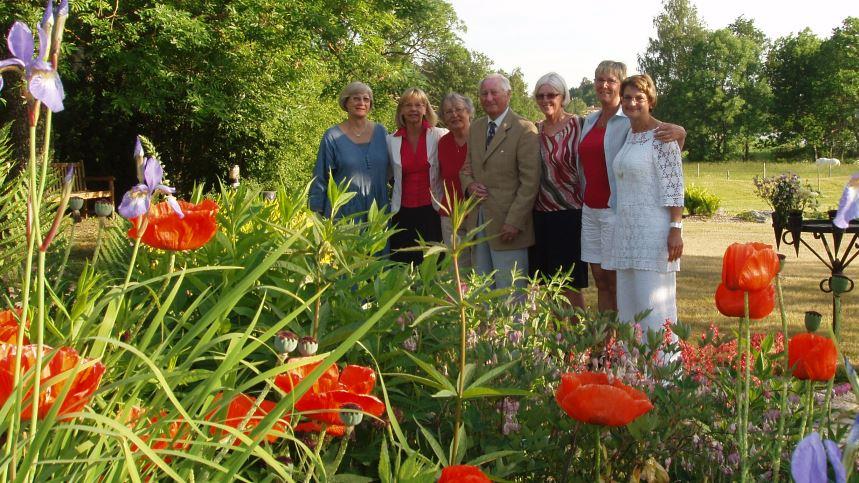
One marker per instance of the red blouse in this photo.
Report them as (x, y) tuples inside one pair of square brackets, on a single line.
[(416, 182), (451, 157), (592, 159)]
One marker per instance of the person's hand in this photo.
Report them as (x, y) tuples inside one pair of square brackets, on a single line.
[(675, 244), (667, 132), (509, 232), (478, 189)]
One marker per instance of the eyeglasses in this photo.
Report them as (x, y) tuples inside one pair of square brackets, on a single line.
[(548, 97), (458, 111), (640, 99), (364, 99), (606, 80)]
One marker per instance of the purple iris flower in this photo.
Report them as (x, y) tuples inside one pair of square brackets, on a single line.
[(809, 461), (848, 206), (138, 199), (43, 81)]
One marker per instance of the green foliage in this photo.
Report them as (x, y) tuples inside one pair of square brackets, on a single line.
[(582, 97), (699, 201)]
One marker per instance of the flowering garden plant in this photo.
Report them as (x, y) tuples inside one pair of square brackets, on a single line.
[(223, 335), (785, 193)]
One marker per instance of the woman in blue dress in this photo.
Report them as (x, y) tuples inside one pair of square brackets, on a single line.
[(355, 151)]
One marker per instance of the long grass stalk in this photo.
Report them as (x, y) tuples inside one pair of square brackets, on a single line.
[(776, 458)]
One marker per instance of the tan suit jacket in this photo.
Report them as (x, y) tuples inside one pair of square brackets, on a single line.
[(510, 169)]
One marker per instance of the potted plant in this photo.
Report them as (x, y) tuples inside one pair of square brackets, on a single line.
[(788, 197)]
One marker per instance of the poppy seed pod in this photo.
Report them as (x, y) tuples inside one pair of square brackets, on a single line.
[(352, 416), (307, 346), (285, 341), (812, 320)]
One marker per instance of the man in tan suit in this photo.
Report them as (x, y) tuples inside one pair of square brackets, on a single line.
[(503, 170)]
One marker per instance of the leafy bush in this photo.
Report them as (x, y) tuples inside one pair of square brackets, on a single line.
[(699, 201)]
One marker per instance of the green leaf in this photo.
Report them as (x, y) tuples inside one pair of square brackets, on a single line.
[(434, 444), (480, 391), (492, 374), (432, 372)]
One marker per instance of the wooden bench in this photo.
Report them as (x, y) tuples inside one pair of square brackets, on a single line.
[(80, 180)]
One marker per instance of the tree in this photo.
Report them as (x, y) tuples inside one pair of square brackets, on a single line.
[(794, 66), (455, 69), (582, 97), (838, 95)]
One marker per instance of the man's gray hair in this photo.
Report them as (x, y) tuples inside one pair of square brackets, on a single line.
[(505, 82), (455, 97), (556, 82)]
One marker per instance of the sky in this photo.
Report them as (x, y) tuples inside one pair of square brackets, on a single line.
[(568, 36)]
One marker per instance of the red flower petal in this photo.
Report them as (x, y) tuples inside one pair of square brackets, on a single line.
[(590, 398), (463, 474), (9, 327), (812, 357), (165, 230), (358, 379), (749, 266), (337, 430), (730, 302)]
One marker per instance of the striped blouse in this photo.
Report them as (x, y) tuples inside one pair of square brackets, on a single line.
[(559, 183)]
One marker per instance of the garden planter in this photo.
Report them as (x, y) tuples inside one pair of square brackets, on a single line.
[(778, 227)]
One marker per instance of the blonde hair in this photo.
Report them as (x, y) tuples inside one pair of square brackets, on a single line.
[(643, 83), (352, 89), (414, 93), (611, 67)]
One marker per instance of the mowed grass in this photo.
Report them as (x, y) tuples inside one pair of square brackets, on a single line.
[(732, 181)]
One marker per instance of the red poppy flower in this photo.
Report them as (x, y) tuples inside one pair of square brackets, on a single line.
[(463, 474), (167, 231), (590, 397), (749, 266), (237, 415), (64, 360), (9, 327), (812, 357), (730, 302), (322, 402)]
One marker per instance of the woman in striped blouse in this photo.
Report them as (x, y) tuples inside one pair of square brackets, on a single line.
[(558, 208)]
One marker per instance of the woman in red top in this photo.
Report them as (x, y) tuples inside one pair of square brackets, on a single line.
[(413, 150), (457, 111)]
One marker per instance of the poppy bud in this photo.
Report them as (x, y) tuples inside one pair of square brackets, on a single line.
[(285, 342), (812, 320), (308, 346), (353, 415)]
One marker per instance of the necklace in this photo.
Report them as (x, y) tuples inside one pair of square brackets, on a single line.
[(358, 132)]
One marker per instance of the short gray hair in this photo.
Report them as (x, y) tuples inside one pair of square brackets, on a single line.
[(454, 97), (355, 88), (555, 81), (505, 82)]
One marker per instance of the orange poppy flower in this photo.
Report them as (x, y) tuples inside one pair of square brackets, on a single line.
[(333, 390), (590, 397), (730, 302), (9, 327), (83, 386), (749, 266), (237, 414), (812, 357), (463, 474), (165, 230)]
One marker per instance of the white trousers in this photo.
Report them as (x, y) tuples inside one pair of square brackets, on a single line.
[(639, 290)]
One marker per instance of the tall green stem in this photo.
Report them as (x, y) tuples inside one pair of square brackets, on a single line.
[(141, 229), (101, 221), (785, 383), (597, 454), (460, 386), (744, 408)]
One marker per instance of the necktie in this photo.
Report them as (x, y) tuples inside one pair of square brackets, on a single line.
[(491, 133)]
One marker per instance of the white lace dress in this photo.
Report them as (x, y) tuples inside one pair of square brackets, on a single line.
[(649, 179)]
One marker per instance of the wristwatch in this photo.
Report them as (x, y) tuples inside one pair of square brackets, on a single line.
[(676, 224)]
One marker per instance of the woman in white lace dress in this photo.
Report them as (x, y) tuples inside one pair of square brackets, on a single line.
[(647, 240)]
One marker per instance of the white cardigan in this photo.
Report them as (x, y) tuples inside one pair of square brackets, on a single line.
[(396, 167)]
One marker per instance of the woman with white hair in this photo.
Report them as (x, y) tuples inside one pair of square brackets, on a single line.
[(355, 151), (558, 208)]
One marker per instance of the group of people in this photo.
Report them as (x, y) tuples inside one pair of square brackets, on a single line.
[(605, 190)]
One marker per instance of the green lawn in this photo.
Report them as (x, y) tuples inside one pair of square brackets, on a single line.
[(732, 181)]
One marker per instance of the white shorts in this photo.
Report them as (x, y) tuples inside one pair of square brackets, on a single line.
[(597, 234)]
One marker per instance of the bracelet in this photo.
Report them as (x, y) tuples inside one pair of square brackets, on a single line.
[(676, 224)]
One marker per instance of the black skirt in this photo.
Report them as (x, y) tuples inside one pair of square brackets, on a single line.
[(414, 223), (558, 245)]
